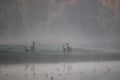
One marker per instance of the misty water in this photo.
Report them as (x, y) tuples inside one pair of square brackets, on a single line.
[(101, 70), (91, 28)]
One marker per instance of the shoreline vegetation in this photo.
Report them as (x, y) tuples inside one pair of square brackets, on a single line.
[(10, 54)]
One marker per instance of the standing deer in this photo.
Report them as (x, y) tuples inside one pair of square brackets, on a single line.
[(26, 49), (32, 48), (64, 50), (67, 49)]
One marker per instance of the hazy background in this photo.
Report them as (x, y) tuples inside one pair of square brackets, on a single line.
[(83, 23)]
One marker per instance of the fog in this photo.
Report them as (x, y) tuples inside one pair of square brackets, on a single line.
[(83, 23), (59, 39)]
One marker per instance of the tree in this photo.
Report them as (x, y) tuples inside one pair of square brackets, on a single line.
[(109, 20)]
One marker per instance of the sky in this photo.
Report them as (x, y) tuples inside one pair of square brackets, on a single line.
[(83, 23)]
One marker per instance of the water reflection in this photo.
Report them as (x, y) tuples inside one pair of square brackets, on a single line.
[(62, 71)]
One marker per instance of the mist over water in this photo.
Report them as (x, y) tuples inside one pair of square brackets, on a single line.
[(59, 39), (83, 23)]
